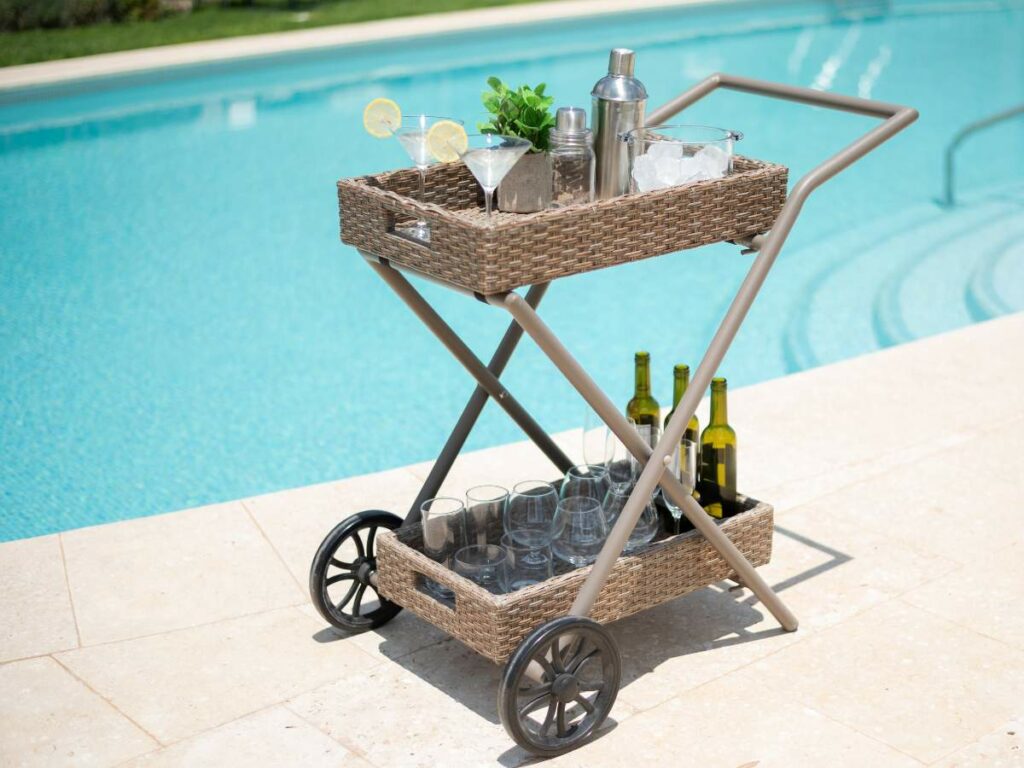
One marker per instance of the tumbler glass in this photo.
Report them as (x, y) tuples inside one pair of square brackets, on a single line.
[(530, 517), (485, 505), (582, 530), (486, 565), (647, 525), (444, 532)]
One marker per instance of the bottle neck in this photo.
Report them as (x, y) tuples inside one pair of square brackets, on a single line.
[(642, 385), (682, 381), (719, 410)]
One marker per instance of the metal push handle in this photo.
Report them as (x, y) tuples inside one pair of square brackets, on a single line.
[(896, 118)]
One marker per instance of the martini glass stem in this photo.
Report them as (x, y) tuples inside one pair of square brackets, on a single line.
[(488, 194), (420, 223)]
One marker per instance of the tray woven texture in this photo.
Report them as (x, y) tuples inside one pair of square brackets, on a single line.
[(524, 249), (494, 625)]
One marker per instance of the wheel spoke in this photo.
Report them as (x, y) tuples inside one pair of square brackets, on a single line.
[(359, 545), (549, 718), (556, 657), (578, 662), (356, 606), (587, 706), (588, 687), (339, 564), (535, 690), (533, 704), (339, 577), (369, 541), (348, 596), (546, 666), (563, 729)]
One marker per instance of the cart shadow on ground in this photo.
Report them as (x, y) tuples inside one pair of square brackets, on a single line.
[(712, 618)]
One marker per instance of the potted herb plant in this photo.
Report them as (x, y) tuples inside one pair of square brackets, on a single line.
[(524, 112)]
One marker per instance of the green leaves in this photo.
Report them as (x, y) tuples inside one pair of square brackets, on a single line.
[(524, 112)]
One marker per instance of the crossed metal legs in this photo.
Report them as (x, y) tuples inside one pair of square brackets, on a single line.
[(525, 317)]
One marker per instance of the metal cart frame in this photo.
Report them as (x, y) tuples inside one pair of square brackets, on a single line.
[(654, 460)]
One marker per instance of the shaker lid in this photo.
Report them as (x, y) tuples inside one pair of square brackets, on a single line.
[(571, 120), (621, 62)]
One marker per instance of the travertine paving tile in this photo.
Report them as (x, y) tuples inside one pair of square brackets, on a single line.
[(399, 637), (986, 596), (273, 737), (48, 718), (35, 608), (396, 719), (179, 683), (1003, 748), (156, 574), (734, 722), (903, 676), (296, 521)]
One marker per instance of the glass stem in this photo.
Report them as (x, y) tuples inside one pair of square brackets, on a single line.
[(487, 200), (423, 194)]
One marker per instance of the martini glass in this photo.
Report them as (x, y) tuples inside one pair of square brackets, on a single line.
[(412, 135), (490, 156)]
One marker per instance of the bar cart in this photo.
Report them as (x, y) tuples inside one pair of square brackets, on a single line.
[(562, 667)]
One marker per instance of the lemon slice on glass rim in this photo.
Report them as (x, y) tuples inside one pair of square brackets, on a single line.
[(446, 139), (381, 118)]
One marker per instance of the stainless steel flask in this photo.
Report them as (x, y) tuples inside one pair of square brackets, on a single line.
[(619, 100)]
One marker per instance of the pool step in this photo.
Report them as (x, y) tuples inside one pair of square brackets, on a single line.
[(997, 284)]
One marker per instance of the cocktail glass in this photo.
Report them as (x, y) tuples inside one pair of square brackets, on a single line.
[(490, 156), (412, 135)]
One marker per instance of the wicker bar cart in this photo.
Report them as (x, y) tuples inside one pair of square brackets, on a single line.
[(562, 666)]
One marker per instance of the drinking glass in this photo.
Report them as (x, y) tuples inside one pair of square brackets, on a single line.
[(412, 135), (683, 467), (489, 156), (586, 480), (596, 448), (486, 565), (649, 433), (444, 532), (485, 505), (647, 525), (582, 530), (530, 517), (522, 569)]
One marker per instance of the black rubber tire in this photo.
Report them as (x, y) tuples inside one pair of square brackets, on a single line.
[(586, 648), (345, 614)]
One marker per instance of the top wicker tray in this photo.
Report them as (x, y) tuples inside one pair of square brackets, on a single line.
[(524, 249)]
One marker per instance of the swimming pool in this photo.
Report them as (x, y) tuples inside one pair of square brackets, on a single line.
[(180, 324)]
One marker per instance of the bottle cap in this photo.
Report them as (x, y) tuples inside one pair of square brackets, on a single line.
[(570, 120), (621, 62)]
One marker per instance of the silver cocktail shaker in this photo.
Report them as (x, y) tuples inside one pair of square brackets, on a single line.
[(618, 107)]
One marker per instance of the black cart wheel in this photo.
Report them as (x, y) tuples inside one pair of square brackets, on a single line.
[(573, 681), (339, 578)]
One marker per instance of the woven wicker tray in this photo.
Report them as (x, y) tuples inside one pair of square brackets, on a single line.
[(523, 249), (494, 625)]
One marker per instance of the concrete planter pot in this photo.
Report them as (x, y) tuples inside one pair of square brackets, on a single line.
[(527, 187)]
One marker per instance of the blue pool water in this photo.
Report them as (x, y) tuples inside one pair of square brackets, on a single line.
[(180, 325)]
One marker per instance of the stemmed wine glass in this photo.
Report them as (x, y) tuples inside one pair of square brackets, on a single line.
[(647, 525), (586, 480), (530, 518), (490, 156), (412, 133), (683, 466)]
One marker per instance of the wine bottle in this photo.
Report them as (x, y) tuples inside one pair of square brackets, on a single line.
[(681, 374), (718, 457), (643, 409)]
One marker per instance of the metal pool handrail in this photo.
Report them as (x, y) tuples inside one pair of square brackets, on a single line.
[(949, 175)]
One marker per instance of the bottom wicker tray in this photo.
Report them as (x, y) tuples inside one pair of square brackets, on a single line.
[(494, 625)]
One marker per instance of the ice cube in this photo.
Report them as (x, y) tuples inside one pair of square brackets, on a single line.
[(645, 173), (669, 172), (712, 161), (665, 150)]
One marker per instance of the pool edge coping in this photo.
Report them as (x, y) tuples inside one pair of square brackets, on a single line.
[(84, 68)]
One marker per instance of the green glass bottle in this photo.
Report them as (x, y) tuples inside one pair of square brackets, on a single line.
[(718, 457), (643, 409), (681, 380)]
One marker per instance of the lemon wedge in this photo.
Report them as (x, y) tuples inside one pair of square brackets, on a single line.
[(381, 118), (446, 140)]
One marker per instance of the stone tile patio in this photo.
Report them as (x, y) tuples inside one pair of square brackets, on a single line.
[(187, 639)]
